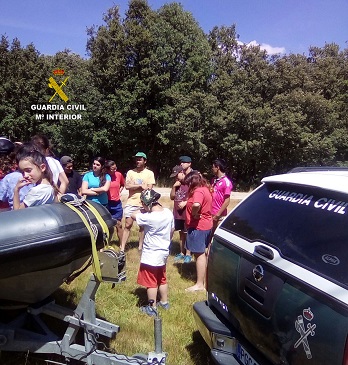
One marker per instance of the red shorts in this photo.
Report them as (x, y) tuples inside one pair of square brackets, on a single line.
[(152, 276)]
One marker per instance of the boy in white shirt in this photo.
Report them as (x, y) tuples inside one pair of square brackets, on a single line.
[(158, 223)]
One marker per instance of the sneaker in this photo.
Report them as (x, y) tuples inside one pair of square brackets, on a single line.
[(165, 306), (121, 257), (179, 257), (149, 310), (187, 259)]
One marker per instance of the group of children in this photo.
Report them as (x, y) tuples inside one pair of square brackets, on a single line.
[(198, 209), (29, 181), (33, 183)]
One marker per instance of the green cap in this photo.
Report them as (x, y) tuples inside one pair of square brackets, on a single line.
[(141, 154)]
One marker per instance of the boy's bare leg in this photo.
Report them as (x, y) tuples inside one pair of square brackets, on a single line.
[(152, 295), (163, 292)]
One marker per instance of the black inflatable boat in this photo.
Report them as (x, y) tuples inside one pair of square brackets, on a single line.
[(40, 247)]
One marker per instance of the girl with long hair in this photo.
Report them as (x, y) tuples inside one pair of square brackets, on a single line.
[(42, 143), (199, 224), (114, 196), (35, 170), (96, 183)]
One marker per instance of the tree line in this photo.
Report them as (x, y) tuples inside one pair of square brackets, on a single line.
[(155, 82)]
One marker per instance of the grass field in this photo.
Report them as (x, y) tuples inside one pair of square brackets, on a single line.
[(120, 305)]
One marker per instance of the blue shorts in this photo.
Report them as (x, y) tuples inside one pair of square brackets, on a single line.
[(115, 209), (197, 241)]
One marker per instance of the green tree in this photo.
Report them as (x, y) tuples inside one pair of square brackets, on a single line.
[(242, 83), (88, 135), (22, 83), (163, 57)]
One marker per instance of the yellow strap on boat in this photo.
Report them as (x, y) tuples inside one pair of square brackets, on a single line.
[(95, 261), (99, 219)]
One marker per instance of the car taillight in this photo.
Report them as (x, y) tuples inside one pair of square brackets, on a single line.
[(345, 356)]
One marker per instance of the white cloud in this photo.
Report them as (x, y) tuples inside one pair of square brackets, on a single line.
[(266, 47), (272, 50)]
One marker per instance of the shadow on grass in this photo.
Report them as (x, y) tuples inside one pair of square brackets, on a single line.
[(131, 244), (141, 293), (114, 243), (174, 248), (187, 271), (70, 300), (199, 350)]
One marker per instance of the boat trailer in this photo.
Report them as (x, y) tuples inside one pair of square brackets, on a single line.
[(39, 339)]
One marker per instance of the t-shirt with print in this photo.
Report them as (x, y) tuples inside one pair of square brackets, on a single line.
[(180, 195), (117, 180), (158, 226), (202, 196), (39, 195), (94, 182), (145, 176), (221, 189)]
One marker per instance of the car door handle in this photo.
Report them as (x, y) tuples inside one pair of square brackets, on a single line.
[(264, 251)]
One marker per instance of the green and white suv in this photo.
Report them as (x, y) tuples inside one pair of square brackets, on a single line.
[(277, 275)]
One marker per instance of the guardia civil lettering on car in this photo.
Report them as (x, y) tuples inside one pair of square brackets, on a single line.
[(277, 275)]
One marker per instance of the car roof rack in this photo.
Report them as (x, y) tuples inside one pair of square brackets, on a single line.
[(317, 168)]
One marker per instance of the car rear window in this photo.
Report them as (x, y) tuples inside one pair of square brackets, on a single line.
[(308, 226)]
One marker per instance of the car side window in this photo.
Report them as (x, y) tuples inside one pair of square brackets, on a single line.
[(308, 226)]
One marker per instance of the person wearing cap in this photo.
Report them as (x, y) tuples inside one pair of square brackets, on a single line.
[(6, 146), (75, 179), (158, 224), (6, 160), (179, 193), (185, 162), (137, 180)]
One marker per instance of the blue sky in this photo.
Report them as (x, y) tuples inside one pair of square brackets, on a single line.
[(286, 26)]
